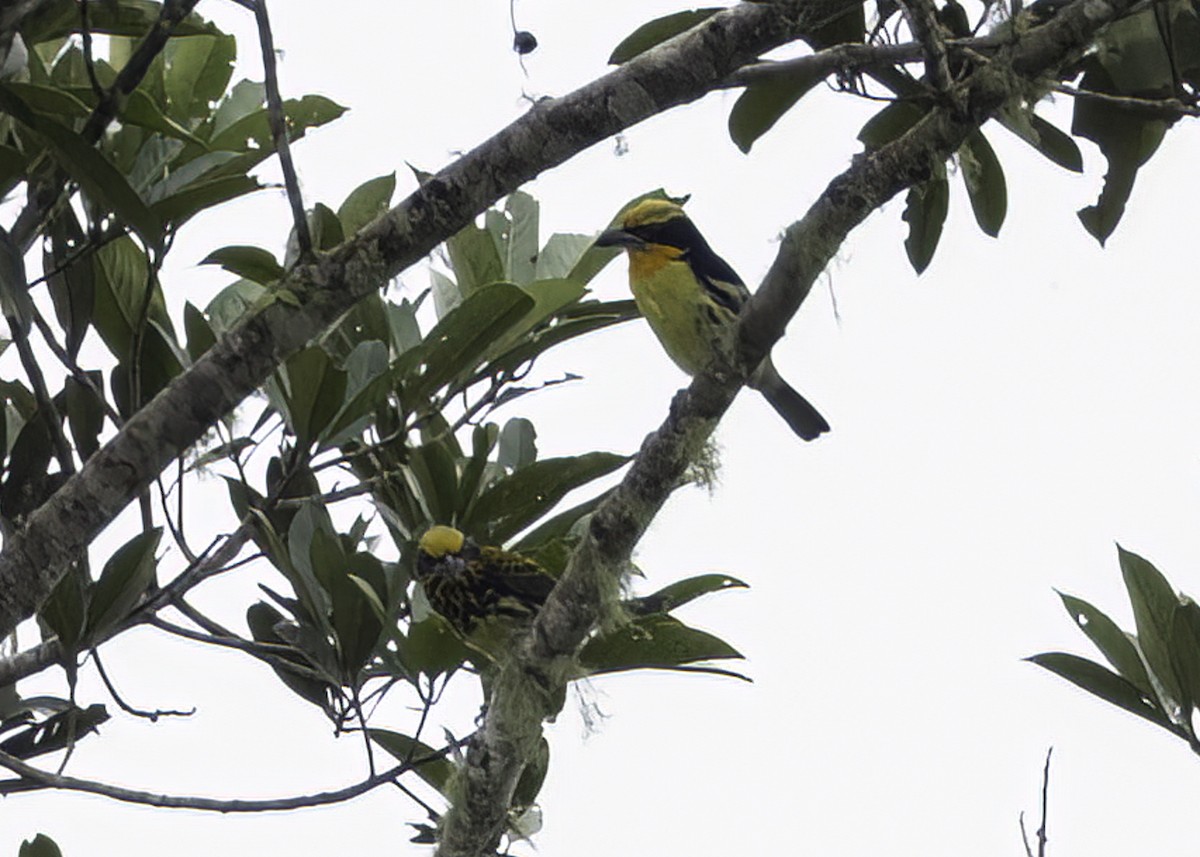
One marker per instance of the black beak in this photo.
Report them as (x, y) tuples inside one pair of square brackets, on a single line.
[(618, 238)]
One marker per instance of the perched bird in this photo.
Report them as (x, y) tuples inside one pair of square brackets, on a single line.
[(691, 298), (466, 583)]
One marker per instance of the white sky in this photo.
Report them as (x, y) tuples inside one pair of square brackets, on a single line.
[(997, 425)]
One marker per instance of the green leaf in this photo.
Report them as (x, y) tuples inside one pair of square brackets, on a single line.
[(433, 767), (252, 131), (366, 202), (182, 206), (925, 213), (890, 123), (200, 336), (434, 471), (459, 340), (761, 105), (263, 619), (1185, 655), (984, 178), (127, 576), (1104, 683), (516, 235), (232, 303), (40, 846), (518, 444), (65, 611), (1154, 604), (100, 180), (121, 272), (433, 647), (513, 503), (253, 263), (682, 591), (1112, 642), (657, 31), (654, 642), (70, 280), (474, 259), (561, 254), (1126, 138), (126, 18), (850, 27), (85, 413), (197, 73), (1044, 137), (316, 390)]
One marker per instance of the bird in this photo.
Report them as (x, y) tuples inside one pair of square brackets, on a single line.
[(691, 298), (466, 583)]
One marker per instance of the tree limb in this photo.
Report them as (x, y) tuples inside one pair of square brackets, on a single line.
[(524, 694)]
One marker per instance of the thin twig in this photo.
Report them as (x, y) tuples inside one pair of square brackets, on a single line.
[(1163, 108), (1041, 831), (152, 716), (279, 130), (43, 779)]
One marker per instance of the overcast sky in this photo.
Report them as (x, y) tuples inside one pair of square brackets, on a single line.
[(998, 424)]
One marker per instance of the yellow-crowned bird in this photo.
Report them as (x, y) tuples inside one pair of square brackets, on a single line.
[(692, 298), (466, 583)]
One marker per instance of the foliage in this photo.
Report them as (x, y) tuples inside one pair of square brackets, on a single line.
[(1157, 670)]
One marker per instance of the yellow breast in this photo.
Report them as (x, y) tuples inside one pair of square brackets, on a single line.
[(687, 323)]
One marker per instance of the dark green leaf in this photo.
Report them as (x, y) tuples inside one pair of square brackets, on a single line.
[(653, 642), (253, 263), (925, 213), (984, 178), (180, 207), (366, 202), (474, 259), (1103, 683), (65, 611), (1113, 643), (197, 72), (126, 18), (682, 591), (1126, 138), (850, 27), (1154, 604), (431, 766), (85, 413), (121, 274), (316, 390), (100, 180), (200, 336), (515, 502), (1185, 654), (263, 619), (40, 846), (458, 341), (69, 277), (762, 104), (126, 577), (433, 648), (518, 444), (889, 124), (657, 31), (1046, 138)]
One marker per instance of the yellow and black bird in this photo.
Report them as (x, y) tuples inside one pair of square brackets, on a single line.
[(467, 584), (692, 298)]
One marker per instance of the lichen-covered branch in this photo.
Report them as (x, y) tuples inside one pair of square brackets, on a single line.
[(523, 695)]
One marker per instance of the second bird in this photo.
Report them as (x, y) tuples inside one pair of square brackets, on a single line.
[(692, 298)]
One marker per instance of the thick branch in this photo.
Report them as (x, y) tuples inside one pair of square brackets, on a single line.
[(523, 696)]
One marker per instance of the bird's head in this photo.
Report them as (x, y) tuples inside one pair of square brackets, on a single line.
[(660, 222), (440, 541)]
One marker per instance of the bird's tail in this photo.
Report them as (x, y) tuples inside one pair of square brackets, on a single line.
[(801, 416)]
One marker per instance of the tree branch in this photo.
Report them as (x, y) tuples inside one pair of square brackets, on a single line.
[(551, 132), (524, 694)]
